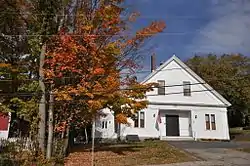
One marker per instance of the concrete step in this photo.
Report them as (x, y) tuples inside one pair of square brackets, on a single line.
[(177, 138)]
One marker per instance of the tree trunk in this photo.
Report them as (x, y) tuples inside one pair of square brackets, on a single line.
[(119, 132), (50, 130), (86, 136), (93, 142), (62, 135), (42, 106), (66, 142)]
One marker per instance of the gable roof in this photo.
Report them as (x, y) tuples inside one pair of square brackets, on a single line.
[(192, 73)]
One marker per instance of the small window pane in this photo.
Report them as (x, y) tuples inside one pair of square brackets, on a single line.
[(207, 121), (161, 87), (213, 118), (136, 120), (142, 123), (106, 125), (136, 115), (141, 115), (102, 124), (142, 119), (213, 126), (187, 88), (207, 117), (213, 122)]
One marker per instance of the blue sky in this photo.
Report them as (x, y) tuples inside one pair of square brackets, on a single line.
[(196, 26)]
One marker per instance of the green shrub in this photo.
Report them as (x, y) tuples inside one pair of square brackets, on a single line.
[(22, 152)]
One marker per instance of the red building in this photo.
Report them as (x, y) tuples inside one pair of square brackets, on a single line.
[(4, 125)]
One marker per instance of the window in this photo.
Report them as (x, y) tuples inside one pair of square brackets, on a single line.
[(207, 118), (161, 87), (116, 127), (136, 120), (186, 88), (142, 119), (210, 122), (213, 122), (104, 124), (139, 120)]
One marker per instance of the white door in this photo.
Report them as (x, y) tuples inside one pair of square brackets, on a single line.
[(185, 126)]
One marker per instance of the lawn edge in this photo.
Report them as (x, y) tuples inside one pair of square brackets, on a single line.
[(189, 153)]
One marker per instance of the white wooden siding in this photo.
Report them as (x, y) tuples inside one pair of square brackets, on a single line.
[(173, 74), (202, 101)]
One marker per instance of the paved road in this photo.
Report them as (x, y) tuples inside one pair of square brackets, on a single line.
[(214, 153), (205, 145)]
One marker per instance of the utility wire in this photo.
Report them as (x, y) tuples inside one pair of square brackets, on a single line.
[(122, 89), (124, 73), (124, 33), (224, 79), (80, 15), (125, 89), (95, 35), (166, 94)]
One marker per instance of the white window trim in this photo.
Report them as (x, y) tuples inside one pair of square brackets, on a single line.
[(139, 120), (160, 86), (210, 122), (104, 124), (187, 83)]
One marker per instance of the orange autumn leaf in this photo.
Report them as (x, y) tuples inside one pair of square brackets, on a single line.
[(121, 118), (98, 71)]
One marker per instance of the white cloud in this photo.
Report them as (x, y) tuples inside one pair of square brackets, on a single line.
[(228, 31)]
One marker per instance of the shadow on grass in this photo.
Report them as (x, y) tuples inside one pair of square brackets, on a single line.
[(234, 135), (240, 136), (119, 149)]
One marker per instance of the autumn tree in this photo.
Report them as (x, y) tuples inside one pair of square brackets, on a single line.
[(229, 75), (26, 27), (84, 65), (45, 21), (16, 63), (87, 45)]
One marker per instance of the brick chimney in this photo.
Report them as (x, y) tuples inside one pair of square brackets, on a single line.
[(153, 63)]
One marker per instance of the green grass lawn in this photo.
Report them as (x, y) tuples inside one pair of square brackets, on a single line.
[(140, 153), (238, 130), (237, 134), (247, 150)]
